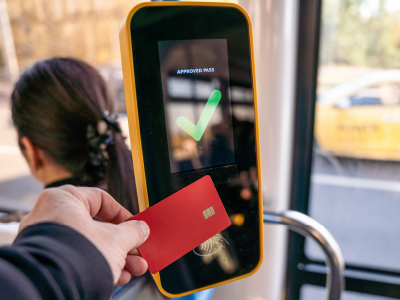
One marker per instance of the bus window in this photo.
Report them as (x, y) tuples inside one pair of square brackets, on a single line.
[(355, 178)]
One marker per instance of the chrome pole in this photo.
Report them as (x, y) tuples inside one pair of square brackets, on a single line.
[(308, 227)]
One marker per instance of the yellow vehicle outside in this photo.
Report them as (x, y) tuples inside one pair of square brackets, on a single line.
[(361, 119)]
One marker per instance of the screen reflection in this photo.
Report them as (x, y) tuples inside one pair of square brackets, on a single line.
[(197, 103)]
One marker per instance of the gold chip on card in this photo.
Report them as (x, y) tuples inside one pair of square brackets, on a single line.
[(208, 212)]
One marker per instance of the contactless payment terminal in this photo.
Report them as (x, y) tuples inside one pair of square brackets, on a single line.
[(192, 110)]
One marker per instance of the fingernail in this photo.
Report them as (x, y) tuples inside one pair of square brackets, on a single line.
[(145, 228)]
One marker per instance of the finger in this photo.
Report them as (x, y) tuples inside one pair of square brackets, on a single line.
[(134, 252), (136, 265), (124, 278), (132, 234), (99, 204)]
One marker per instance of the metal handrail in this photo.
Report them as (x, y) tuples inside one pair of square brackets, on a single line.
[(308, 227)]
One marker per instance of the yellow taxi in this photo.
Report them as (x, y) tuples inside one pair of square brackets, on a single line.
[(361, 118)]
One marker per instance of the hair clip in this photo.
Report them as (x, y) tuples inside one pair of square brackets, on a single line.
[(99, 137)]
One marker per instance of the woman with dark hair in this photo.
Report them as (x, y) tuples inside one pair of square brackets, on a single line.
[(62, 110)]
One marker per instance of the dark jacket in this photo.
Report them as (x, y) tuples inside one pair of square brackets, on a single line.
[(53, 261)]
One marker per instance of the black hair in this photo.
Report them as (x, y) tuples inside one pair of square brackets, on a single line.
[(53, 104)]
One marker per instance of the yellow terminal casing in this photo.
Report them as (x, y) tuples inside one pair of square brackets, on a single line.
[(134, 127)]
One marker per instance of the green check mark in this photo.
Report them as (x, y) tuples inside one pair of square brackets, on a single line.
[(197, 131)]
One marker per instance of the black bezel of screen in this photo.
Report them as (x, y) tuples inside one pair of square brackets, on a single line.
[(148, 26)]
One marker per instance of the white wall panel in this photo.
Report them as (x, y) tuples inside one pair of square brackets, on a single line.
[(275, 37)]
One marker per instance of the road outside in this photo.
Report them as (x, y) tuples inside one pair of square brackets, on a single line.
[(358, 201)]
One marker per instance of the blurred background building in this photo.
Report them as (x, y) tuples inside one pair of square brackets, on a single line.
[(87, 30)]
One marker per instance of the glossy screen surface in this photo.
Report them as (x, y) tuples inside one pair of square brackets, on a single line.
[(168, 39), (197, 104)]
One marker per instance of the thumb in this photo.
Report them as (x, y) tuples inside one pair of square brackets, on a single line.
[(134, 233)]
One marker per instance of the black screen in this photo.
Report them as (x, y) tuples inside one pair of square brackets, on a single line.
[(158, 36)]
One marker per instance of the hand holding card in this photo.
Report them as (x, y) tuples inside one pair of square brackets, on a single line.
[(181, 222)]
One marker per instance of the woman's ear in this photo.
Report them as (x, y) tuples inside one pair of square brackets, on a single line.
[(42, 166), (34, 155)]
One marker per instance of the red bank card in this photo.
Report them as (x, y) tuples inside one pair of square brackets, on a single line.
[(181, 222)]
